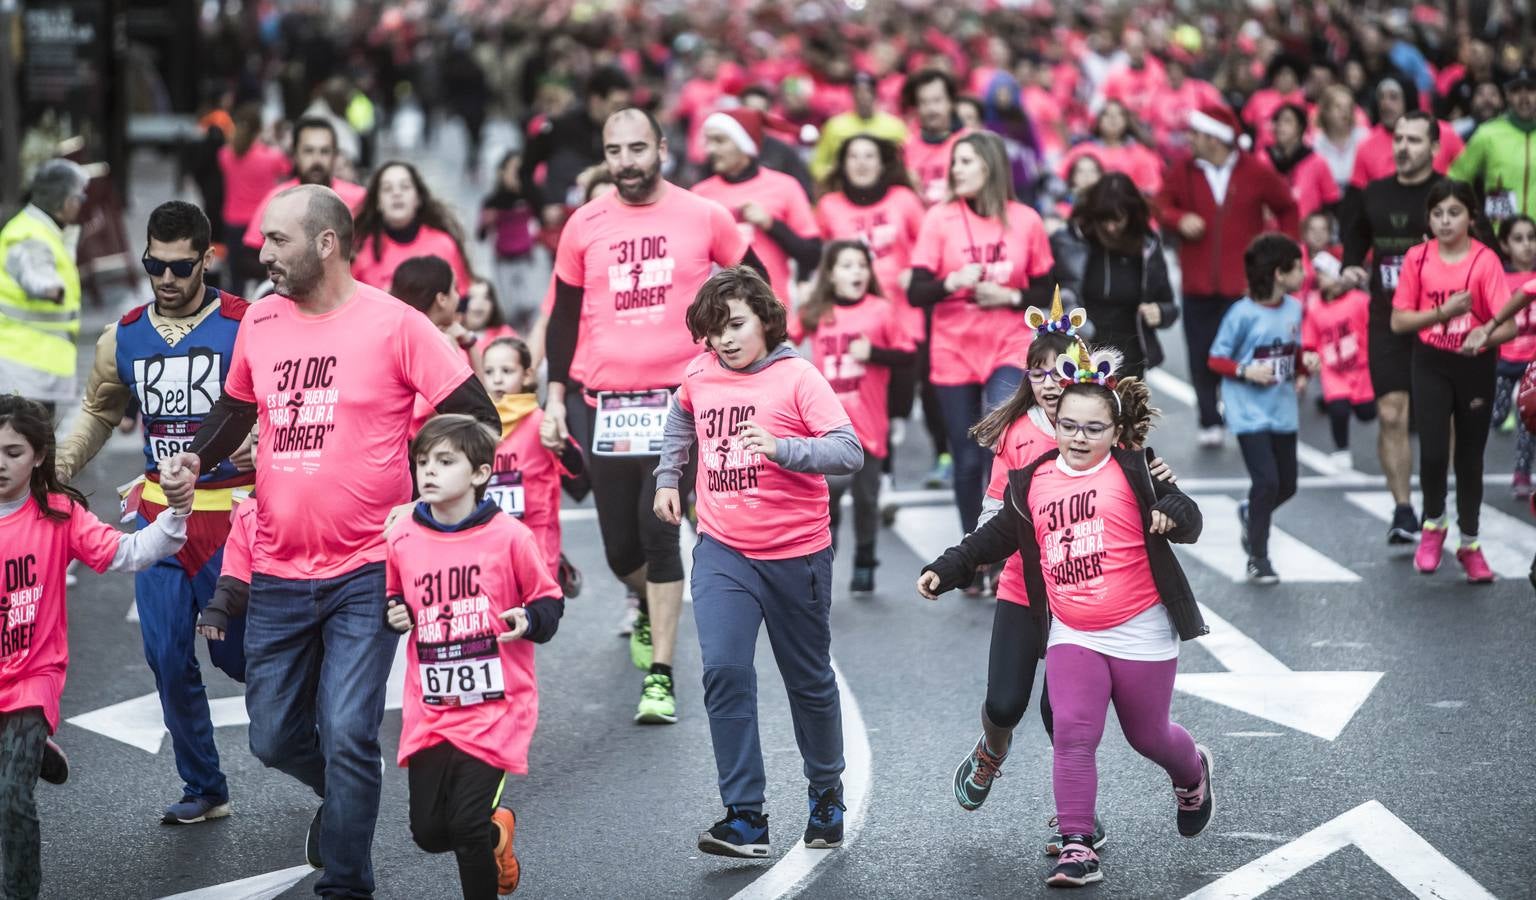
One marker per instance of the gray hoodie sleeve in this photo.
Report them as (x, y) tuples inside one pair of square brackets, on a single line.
[(838, 452), (675, 444)]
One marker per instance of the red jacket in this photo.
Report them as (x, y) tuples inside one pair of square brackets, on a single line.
[(1214, 263)]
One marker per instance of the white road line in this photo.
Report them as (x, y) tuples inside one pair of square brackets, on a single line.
[(1219, 548), (928, 530), (795, 870), (1508, 543), (258, 887)]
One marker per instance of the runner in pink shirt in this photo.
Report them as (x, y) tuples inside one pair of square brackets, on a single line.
[(1517, 236), (1373, 156), (930, 96), (1173, 102), (250, 167), (314, 162), (330, 368), (1306, 172), (1118, 150), (400, 219), (626, 269)]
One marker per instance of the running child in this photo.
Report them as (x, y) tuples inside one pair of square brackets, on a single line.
[(44, 525), (768, 427), (1109, 599), (474, 589), (1258, 349), (1517, 236), (232, 592), (857, 339), (1449, 286), (1334, 329)]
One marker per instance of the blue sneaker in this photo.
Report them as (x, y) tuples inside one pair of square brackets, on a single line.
[(741, 833), (824, 828), (192, 810)]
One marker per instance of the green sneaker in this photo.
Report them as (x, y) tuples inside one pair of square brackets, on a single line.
[(640, 652), (1508, 425), (658, 705)]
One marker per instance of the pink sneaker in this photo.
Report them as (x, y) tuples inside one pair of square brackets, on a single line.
[(1431, 543), (1521, 488), (1471, 559)]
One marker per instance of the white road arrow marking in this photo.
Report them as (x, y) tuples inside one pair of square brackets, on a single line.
[(1318, 703), (1411, 861), (257, 887), (140, 723)]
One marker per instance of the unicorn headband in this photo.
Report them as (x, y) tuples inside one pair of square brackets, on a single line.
[(1056, 321), (1077, 365)]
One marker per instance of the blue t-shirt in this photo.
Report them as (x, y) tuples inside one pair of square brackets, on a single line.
[(1252, 333)]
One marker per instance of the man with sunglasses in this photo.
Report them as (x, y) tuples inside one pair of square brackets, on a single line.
[(171, 356)]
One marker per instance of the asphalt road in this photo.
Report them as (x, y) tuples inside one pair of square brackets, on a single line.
[(1424, 790)]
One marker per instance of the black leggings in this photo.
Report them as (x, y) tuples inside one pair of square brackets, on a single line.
[(1452, 392), (1271, 460), (933, 410), (1011, 667), (452, 797), (1339, 412)]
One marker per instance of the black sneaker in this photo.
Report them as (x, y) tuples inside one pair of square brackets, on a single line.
[(55, 764), (824, 826), (863, 580), (1078, 864), (1405, 526), (1242, 527), (741, 833), (974, 777), (1260, 571), (1058, 840), (312, 840), (1196, 804)]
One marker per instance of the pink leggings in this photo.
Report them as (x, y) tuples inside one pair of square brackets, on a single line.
[(1082, 682)]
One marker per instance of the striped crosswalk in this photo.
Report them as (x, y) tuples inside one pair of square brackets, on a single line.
[(1508, 543)]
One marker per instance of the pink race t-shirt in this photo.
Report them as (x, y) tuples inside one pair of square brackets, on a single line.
[(1139, 163), (860, 387), (929, 165), (745, 500), (639, 268), (334, 395), (1023, 442), (782, 197), (525, 483), (1426, 282), (1311, 183), (248, 179), (969, 343), (1337, 330), (1523, 347), (242, 537), (34, 623), (1093, 551), (462, 686), (888, 227), (351, 194), (374, 263)]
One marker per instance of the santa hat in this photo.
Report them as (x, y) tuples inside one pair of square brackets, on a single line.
[(743, 125), (1219, 122)]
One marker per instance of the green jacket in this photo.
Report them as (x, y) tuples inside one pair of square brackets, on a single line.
[(1500, 157)]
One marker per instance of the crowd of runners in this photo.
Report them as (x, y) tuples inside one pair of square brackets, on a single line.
[(731, 272)]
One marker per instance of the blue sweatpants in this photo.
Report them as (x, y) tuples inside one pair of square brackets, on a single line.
[(733, 596), (169, 602)]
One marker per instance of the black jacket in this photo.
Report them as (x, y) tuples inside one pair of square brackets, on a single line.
[(1011, 530), (1071, 251)]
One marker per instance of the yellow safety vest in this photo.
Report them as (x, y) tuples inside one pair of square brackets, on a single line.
[(37, 336)]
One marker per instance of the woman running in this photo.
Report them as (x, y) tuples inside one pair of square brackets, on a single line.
[(400, 219)]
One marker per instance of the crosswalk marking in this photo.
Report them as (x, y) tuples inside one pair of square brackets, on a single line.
[(1219, 548), (928, 530), (1508, 543)]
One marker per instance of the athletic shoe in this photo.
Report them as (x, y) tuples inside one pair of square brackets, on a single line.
[(942, 473), (55, 764), (192, 810), (508, 872), (1521, 488), (631, 613), (1404, 527), (640, 652), (824, 827), (1260, 571), (1431, 544), (898, 434), (1057, 840), (658, 705), (1242, 527), (1476, 567), (1078, 864), (1509, 424), (1341, 459), (741, 833), (1196, 804), (312, 840), (863, 580), (1212, 438), (569, 578), (974, 777)]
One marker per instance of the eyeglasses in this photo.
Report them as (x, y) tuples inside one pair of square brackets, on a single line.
[(1040, 376), (1091, 430), (181, 268)]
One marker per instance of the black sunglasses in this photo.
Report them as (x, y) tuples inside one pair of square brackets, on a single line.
[(181, 268)]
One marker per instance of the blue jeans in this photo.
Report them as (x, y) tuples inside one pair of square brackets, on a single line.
[(317, 658), (169, 602), (963, 406)]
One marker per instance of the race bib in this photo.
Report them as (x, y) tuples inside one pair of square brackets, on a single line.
[(166, 439), (461, 673), (506, 491), (1389, 269), (1281, 359), (1501, 205), (630, 423)]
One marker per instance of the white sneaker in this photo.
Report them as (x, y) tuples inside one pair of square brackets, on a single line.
[(1341, 459), (1213, 437), (898, 432), (631, 613)]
